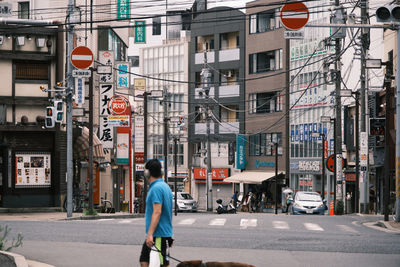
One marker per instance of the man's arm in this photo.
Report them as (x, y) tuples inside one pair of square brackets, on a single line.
[(155, 218)]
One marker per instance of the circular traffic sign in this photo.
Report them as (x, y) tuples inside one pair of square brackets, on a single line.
[(330, 163), (294, 15), (81, 57), (118, 104)]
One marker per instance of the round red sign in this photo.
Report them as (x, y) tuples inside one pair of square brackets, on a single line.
[(294, 15), (118, 105), (81, 57)]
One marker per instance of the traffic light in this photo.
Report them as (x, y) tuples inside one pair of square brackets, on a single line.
[(59, 110), (389, 13), (49, 120)]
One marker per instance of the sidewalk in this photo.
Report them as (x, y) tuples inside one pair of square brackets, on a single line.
[(11, 259), (59, 216)]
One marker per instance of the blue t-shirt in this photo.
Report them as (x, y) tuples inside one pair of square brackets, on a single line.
[(159, 192)]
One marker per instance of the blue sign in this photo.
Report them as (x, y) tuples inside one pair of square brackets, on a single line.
[(292, 135), (240, 152), (305, 132), (301, 132), (259, 164)]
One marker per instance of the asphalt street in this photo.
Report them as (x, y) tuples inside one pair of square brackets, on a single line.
[(259, 239)]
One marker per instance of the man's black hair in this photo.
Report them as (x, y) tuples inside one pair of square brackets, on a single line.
[(154, 166)]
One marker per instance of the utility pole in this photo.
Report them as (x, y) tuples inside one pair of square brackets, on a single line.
[(176, 171), (357, 189), (364, 192), (276, 178), (323, 167), (145, 94), (397, 162), (388, 107), (338, 122), (165, 106), (91, 142), (70, 90), (206, 79)]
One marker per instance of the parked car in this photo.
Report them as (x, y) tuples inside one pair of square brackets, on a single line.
[(308, 203), (185, 202)]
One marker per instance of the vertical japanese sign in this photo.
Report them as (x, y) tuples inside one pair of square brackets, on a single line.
[(106, 131), (106, 58), (240, 152), (139, 139), (122, 75), (364, 149), (79, 91), (140, 31), (123, 9)]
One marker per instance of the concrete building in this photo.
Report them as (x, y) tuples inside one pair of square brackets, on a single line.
[(223, 44), (43, 63), (266, 94)]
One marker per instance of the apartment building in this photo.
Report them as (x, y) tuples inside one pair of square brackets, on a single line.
[(217, 43)]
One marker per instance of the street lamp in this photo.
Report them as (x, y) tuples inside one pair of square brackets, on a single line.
[(323, 162)]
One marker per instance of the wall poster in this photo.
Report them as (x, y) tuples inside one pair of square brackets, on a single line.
[(32, 170)]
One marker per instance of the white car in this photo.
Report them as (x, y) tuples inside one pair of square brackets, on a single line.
[(185, 202), (308, 203)]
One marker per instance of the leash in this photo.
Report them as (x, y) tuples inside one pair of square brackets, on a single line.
[(159, 251)]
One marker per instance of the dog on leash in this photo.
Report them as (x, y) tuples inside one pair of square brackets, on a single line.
[(198, 263)]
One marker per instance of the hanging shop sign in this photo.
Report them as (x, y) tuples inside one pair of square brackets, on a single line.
[(217, 173), (106, 131), (32, 170), (106, 58), (118, 104), (123, 9), (139, 139), (122, 148), (118, 121), (122, 75), (140, 32), (79, 91), (240, 152)]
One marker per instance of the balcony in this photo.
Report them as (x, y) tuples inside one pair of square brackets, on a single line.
[(199, 57), (229, 90), (201, 128), (229, 128), (198, 90), (229, 55)]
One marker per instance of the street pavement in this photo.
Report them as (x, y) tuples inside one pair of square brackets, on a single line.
[(259, 239)]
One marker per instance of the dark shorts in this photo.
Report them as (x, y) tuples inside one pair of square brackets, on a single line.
[(162, 244)]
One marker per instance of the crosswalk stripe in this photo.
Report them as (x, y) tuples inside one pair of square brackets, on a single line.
[(347, 228), (244, 223), (187, 221), (280, 225), (219, 222), (313, 227)]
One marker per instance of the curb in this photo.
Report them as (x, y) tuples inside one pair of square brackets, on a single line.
[(98, 217), (382, 226), (31, 210), (12, 259)]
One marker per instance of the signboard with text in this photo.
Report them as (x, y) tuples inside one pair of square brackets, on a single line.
[(123, 9), (32, 170), (122, 75), (139, 139), (106, 131), (106, 58), (140, 32)]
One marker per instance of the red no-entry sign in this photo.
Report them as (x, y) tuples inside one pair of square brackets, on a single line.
[(294, 15), (81, 57)]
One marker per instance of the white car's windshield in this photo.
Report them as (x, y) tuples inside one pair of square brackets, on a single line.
[(308, 197), (184, 196)]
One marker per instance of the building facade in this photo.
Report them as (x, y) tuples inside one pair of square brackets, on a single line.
[(266, 97)]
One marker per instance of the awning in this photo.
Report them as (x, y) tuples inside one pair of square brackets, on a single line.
[(251, 177), (81, 146)]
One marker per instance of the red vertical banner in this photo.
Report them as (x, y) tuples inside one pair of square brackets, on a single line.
[(326, 148)]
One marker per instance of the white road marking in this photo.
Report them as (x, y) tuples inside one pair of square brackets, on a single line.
[(347, 228), (104, 220), (280, 225), (187, 221), (125, 221), (219, 222), (313, 227), (244, 223)]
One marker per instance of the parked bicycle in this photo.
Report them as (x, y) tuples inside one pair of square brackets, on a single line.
[(79, 200)]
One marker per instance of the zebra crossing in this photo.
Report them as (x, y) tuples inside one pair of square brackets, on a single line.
[(243, 224), (253, 223)]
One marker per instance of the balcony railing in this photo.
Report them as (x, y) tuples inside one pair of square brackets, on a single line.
[(229, 54), (201, 128), (229, 90), (199, 57), (229, 127)]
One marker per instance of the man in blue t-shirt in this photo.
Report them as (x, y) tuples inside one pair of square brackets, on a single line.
[(158, 215)]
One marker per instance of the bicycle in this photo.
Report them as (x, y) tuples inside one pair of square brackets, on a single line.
[(106, 206)]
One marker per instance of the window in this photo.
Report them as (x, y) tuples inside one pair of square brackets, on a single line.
[(264, 21), (199, 115), (204, 43), (158, 151), (229, 40), (109, 40), (229, 114), (176, 102), (265, 102), (30, 70), (228, 77), (157, 26), (265, 61), (264, 144), (23, 10), (134, 60), (179, 155)]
